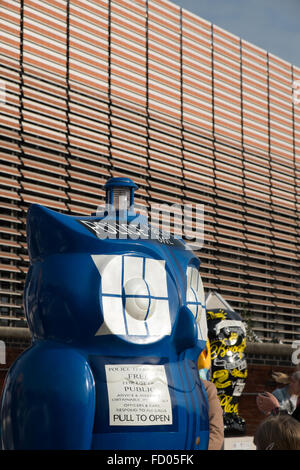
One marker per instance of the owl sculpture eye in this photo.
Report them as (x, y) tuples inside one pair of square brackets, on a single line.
[(134, 297), (195, 300)]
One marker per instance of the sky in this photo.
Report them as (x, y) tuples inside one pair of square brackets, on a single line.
[(273, 25)]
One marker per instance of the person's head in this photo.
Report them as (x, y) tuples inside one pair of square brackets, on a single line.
[(281, 432), (295, 383)]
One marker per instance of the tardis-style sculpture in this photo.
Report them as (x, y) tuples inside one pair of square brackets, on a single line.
[(117, 314), (227, 337)]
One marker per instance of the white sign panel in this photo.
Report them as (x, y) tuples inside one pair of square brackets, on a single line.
[(239, 443), (138, 395)]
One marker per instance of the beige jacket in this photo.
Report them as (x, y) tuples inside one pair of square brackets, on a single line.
[(216, 423)]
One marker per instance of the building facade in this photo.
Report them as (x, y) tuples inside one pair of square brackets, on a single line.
[(91, 89)]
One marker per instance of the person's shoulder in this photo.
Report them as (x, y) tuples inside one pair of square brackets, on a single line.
[(210, 387)]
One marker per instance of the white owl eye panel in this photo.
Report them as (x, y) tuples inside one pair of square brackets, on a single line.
[(195, 300), (134, 297)]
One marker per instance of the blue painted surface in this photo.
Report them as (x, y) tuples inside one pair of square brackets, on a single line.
[(56, 394)]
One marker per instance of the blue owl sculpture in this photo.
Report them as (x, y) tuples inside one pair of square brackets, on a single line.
[(118, 321)]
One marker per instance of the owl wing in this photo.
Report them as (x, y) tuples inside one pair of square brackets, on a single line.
[(48, 400)]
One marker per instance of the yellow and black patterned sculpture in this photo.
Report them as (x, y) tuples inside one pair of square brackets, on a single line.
[(227, 338)]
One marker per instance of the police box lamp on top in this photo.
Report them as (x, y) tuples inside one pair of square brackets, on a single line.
[(120, 193), (119, 219), (117, 328)]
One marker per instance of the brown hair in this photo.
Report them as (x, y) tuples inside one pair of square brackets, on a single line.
[(281, 432)]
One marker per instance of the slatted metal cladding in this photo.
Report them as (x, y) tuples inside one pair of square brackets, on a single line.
[(194, 114)]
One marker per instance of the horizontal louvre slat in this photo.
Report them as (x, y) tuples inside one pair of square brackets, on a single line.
[(38, 199), (42, 189)]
